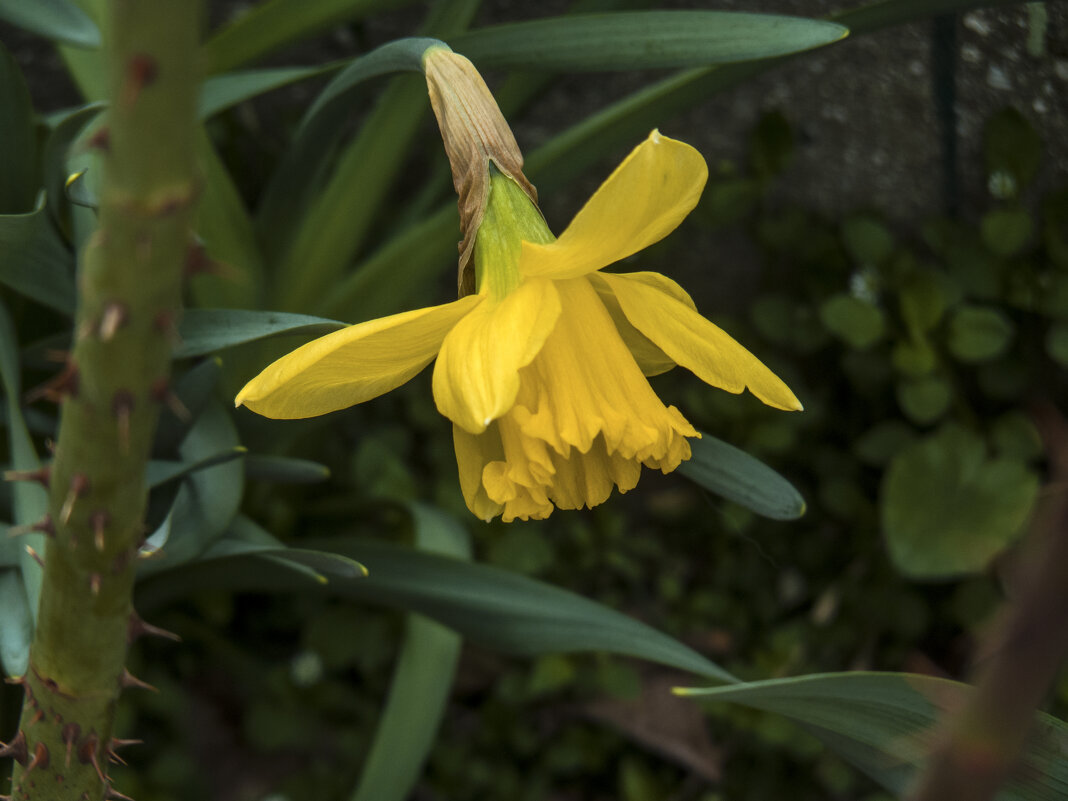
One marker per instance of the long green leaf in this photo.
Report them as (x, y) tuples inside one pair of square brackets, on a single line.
[(33, 260), (486, 605), (205, 331), (643, 40), (60, 20), (728, 471), (18, 168), (16, 624), (884, 724), (225, 227), (275, 23), (159, 472), (220, 92), (31, 500), (421, 681)]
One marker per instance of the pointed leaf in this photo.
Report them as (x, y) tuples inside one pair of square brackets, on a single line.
[(484, 604), (16, 624), (284, 470), (160, 472), (205, 331), (884, 724), (34, 261), (421, 681), (60, 20), (643, 40), (739, 477), (220, 92)]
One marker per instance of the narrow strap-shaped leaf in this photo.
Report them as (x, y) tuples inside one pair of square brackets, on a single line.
[(884, 724), (485, 604), (159, 472), (421, 681), (643, 40), (225, 227), (16, 624), (284, 469), (18, 169), (205, 331), (33, 260), (275, 23), (31, 500), (60, 20), (220, 92), (734, 474)]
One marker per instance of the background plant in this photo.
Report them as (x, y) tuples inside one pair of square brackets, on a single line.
[(935, 336)]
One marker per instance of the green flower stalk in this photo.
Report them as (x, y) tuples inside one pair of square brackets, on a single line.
[(112, 389)]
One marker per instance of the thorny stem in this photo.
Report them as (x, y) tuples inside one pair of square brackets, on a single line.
[(980, 743), (130, 281)]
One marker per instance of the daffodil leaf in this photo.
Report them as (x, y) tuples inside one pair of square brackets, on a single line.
[(246, 538), (207, 501), (18, 169), (220, 92), (224, 226), (160, 472), (735, 475), (16, 624), (275, 23), (34, 261), (643, 39), (60, 20), (205, 331), (421, 680), (284, 470), (486, 605), (948, 509), (884, 723)]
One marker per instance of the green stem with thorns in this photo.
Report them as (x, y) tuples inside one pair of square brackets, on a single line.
[(112, 388)]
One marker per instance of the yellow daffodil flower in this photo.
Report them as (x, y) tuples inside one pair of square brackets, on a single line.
[(543, 371)]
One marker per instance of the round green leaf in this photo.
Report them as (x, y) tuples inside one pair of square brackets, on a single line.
[(924, 400), (1006, 232), (914, 358), (855, 321), (947, 509), (1014, 435), (979, 334), (880, 443), (867, 240), (1057, 343)]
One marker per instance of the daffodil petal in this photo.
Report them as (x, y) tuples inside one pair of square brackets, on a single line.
[(476, 377), (695, 343), (643, 201), (651, 359), (473, 453), (354, 364)]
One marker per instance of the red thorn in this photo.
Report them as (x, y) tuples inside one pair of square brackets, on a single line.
[(100, 140), (139, 628), (141, 72), (129, 681), (16, 749), (198, 262), (161, 393), (71, 732), (42, 526), (40, 758), (42, 475), (79, 485), (94, 584), (117, 743), (87, 755), (61, 386), (38, 716), (122, 405), (35, 556), (113, 793), (99, 521), (114, 317)]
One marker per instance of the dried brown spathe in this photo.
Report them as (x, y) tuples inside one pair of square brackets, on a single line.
[(475, 133)]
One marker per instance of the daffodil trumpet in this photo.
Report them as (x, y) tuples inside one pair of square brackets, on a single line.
[(542, 370)]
